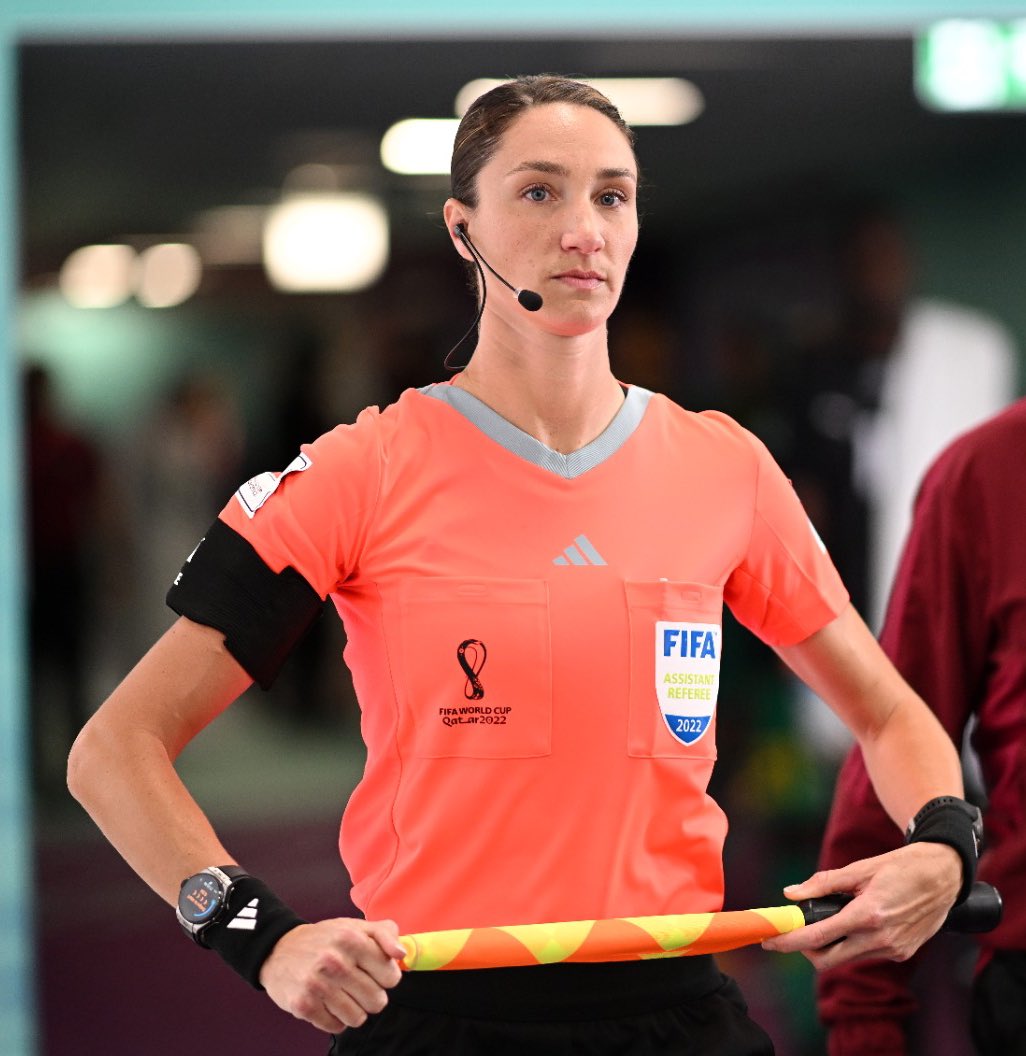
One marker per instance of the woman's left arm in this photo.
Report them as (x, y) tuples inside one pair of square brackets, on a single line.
[(903, 896)]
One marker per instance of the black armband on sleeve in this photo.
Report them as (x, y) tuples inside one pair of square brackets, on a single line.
[(262, 614)]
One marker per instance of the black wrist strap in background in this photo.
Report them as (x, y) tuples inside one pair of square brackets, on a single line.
[(956, 823), (245, 935)]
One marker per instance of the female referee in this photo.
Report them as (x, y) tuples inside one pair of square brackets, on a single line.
[(531, 562)]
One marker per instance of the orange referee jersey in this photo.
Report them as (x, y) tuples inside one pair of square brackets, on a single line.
[(535, 642)]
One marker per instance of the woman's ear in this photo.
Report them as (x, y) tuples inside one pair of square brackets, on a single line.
[(455, 214)]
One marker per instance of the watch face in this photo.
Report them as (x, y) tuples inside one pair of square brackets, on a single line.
[(200, 898)]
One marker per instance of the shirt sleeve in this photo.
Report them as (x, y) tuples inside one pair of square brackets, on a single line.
[(935, 633), (785, 588), (863, 1005), (314, 516), (935, 630)]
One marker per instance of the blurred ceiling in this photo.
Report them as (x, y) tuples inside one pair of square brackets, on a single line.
[(139, 137)]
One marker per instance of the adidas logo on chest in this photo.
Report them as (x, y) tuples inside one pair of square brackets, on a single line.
[(580, 553)]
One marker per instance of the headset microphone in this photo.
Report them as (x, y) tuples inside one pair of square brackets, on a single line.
[(526, 298)]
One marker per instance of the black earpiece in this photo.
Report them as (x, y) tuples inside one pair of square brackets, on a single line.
[(527, 299)]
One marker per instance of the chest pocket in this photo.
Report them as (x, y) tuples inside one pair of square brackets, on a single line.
[(676, 638), (476, 669)]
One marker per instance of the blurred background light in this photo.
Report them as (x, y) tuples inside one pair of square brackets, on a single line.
[(419, 145), (98, 276), (167, 274), (1017, 63), (422, 146), (322, 242), (313, 177), (230, 235), (972, 64), (640, 100)]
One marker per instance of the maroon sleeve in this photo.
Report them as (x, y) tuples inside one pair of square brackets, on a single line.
[(936, 626), (935, 633), (863, 1005)]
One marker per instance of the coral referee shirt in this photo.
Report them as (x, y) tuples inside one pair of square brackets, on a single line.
[(535, 643)]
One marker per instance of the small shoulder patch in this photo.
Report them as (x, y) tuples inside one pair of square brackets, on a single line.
[(816, 536), (257, 490)]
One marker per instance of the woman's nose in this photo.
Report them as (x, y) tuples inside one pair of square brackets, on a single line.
[(583, 232)]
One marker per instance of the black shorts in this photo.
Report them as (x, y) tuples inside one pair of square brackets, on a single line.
[(635, 1008)]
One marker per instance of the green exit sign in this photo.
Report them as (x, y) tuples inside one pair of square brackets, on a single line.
[(972, 64)]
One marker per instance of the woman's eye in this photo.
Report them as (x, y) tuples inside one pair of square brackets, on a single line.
[(537, 194), (611, 198)]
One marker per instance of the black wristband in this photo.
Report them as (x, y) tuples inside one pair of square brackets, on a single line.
[(247, 932), (958, 824)]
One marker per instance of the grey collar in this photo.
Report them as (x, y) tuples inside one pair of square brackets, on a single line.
[(525, 446)]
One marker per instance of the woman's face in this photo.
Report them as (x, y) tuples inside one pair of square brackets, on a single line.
[(557, 213)]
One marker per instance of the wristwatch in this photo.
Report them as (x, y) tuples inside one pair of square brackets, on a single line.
[(203, 898)]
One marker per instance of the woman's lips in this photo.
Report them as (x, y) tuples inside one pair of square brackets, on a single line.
[(581, 280)]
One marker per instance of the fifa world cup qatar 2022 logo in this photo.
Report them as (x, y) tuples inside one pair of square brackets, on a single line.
[(472, 655)]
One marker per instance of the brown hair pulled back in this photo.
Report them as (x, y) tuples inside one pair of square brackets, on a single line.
[(485, 123)]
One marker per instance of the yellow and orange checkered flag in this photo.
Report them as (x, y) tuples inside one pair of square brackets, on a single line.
[(619, 939)]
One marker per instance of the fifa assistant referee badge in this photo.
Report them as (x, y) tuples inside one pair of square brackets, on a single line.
[(236, 915), (203, 898), (950, 820)]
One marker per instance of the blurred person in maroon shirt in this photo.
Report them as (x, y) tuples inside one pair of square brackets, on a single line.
[(956, 629), (63, 476)]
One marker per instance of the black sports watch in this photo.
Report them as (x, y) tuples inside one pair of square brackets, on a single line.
[(203, 898)]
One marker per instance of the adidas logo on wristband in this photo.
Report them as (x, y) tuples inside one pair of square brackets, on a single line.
[(243, 937), (246, 919)]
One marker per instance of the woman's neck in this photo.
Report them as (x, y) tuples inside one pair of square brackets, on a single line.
[(560, 390)]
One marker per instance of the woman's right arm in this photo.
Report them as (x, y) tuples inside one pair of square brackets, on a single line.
[(121, 769)]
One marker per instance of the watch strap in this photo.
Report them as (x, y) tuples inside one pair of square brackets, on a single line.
[(233, 872)]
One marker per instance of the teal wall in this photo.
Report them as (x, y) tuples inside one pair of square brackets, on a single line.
[(15, 924), (41, 18), (423, 17)]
